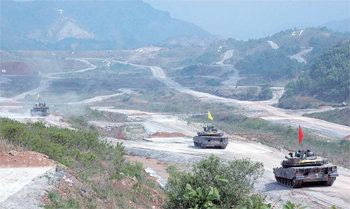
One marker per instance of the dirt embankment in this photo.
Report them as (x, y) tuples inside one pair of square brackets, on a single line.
[(167, 134), (15, 159)]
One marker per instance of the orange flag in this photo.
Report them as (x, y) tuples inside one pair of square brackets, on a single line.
[(301, 135)]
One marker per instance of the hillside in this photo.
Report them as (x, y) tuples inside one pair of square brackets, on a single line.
[(340, 116), (327, 79), (88, 173), (71, 25), (273, 60), (283, 55)]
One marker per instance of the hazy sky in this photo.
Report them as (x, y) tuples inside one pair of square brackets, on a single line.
[(254, 18)]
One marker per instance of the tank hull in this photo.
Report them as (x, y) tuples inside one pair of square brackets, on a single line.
[(210, 141), (39, 112), (296, 176)]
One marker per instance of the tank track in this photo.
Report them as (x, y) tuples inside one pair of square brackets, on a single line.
[(199, 145), (289, 182), (297, 183), (330, 181)]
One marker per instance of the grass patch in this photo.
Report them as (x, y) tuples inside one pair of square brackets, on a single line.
[(102, 168), (242, 93), (299, 102), (339, 116), (166, 100)]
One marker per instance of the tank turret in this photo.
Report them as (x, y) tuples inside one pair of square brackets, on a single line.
[(210, 138), (304, 166)]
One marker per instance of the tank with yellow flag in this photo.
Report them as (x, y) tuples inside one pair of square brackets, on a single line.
[(303, 167), (210, 138), (39, 109)]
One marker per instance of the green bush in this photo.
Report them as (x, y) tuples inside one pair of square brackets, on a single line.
[(290, 205), (200, 198), (58, 201), (256, 202), (63, 145), (233, 181)]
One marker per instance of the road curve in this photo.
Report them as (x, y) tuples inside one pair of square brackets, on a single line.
[(181, 149), (262, 109)]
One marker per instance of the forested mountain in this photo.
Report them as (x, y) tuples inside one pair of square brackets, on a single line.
[(272, 60), (87, 24), (327, 78)]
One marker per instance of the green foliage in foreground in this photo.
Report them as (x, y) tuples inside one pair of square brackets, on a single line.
[(213, 183), (256, 202), (290, 205), (58, 202), (201, 198), (328, 78), (62, 145), (98, 164), (71, 148)]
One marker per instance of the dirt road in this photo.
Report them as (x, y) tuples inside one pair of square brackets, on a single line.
[(299, 56), (181, 149), (15, 111), (273, 45), (263, 110)]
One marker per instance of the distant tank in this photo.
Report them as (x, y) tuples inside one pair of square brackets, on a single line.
[(40, 109), (305, 167), (210, 138)]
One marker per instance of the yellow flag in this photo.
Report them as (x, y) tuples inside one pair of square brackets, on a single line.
[(209, 116), (37, 96)]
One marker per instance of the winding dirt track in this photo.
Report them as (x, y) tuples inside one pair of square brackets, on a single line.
[(299, 56), (263, 109), (176, 149), (314, 197), (181, 149)]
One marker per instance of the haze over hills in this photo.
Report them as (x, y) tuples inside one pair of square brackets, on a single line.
[(338, 25), (88, 25), (255, 19)]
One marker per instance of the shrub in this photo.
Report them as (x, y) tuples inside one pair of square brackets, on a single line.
[(232, 181), (256, 202), (290, 205), (63, 145)]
